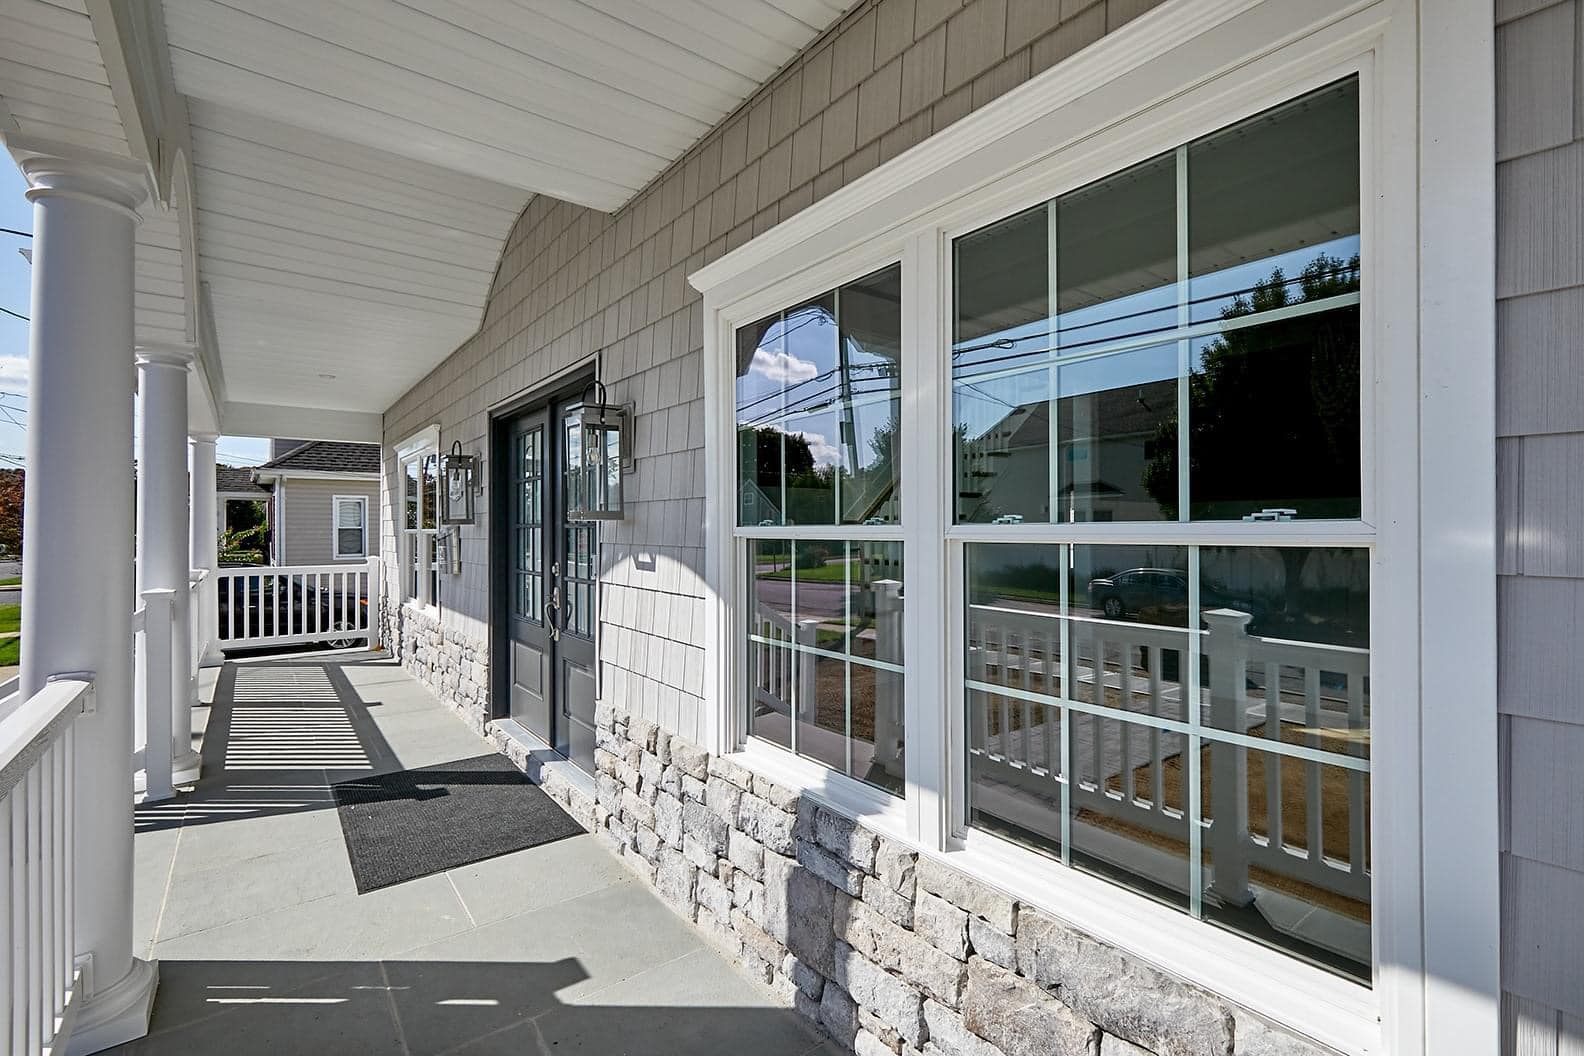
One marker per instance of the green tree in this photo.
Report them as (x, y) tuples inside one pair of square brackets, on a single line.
[(1273, 408)]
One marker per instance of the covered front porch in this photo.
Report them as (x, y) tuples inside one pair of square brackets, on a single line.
[(246, 899)]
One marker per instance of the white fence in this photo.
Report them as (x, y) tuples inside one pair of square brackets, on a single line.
[(299, 604), (1118, 770), (38, 974), (782, 658)]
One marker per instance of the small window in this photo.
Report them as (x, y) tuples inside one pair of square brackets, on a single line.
[(351, 526)]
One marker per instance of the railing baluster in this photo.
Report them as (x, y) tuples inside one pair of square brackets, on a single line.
[(7, 904), (35, 904), (69, 743), (247, 606), (1357, 810), (63, 953), (20, 981), (46, 897), (1314, 817), (1273, 760), (1155, 656)]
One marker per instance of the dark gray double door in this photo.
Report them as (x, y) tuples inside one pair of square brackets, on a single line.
[(550, 568)]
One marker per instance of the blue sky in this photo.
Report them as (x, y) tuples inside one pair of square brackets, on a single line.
[(16, 213)]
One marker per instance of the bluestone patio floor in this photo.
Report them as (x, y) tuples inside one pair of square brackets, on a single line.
[(245, 896)]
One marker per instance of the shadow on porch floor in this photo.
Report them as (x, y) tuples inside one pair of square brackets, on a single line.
[(245, 896)]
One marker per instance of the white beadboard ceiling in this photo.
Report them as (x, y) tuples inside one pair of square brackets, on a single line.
[(53, 85), (358, 163)]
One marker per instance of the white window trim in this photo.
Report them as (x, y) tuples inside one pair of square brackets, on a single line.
[(336, 529), (1427, 104), (414, 449)]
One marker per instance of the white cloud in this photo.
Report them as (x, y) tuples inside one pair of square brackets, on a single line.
[(782, 366), (14, 373), (822, 450)]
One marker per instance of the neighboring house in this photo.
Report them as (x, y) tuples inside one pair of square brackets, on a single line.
[(324, 502)]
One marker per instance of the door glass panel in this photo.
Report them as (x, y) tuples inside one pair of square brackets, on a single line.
[(579, 541), (527, 489)]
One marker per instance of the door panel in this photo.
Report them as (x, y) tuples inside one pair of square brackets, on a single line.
[(529, 639), (577, 555)]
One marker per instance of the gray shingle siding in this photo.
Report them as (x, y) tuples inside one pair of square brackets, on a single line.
[(1540, 506), (574, 281)]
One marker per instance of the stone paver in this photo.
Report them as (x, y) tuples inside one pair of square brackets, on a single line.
[(245, 897)]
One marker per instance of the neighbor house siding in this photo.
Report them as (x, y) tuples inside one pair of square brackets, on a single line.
[(1540, 501), (306, 517), (573, 282)]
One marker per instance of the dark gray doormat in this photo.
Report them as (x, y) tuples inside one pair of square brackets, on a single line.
[(413, 823)]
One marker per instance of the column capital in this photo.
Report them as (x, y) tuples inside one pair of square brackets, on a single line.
[(62, 171), (202, 438), (180, 357)]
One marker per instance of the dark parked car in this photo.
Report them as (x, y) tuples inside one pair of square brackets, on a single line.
[(1160, 595), (274, 606)]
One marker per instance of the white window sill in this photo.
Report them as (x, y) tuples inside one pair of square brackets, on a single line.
[(1326, 1007)]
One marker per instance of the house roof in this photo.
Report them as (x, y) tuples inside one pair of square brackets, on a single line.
[(236, 478), (326, 456)]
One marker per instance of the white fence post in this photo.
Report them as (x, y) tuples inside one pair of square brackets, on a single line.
[(371, 614), (888, 733), (159, 689), (1227, 646), (807, 634)]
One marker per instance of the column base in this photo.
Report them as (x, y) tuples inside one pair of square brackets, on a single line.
[(185, 768), (117, 1014)]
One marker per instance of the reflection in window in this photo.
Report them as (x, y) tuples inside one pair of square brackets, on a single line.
[(1112, 691), (818, 397), (824, 653), (1221, 281), (421, 504)]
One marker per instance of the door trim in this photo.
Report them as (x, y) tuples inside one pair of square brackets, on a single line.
[(569, 382)]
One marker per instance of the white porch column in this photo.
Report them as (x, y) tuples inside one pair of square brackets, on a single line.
[(78, 562), (163, 524), (205, 541)]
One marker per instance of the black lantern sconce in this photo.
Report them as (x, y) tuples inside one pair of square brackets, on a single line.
[(595, 485), (459, 485)]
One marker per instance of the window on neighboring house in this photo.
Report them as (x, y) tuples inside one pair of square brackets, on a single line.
[(818, 398), (351, 526), (421, 505)]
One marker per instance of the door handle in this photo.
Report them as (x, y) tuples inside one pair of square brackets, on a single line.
[(552, 608)]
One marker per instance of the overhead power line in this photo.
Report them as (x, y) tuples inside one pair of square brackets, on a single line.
[(19, 315), (14, 231)]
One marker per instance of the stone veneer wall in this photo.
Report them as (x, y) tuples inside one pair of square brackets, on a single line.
[(891, 952)]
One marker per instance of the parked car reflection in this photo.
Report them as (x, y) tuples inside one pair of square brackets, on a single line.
[(1160, 595)]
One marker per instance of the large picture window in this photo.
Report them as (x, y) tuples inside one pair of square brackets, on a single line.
[(1176, 343)]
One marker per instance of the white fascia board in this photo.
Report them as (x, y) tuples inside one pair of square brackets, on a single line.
[(271, 475), (301, 423)]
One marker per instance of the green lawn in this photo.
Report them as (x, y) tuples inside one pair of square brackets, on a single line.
[(830, 572), (10, 652), (11, 581), (10, 617)]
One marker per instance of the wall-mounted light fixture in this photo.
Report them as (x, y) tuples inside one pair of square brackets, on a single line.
[(460, 478), (595, 485)]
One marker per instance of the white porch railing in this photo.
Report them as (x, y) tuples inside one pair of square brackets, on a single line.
[(299, 604), (38, 974), (1117, 770), (782, 667)]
